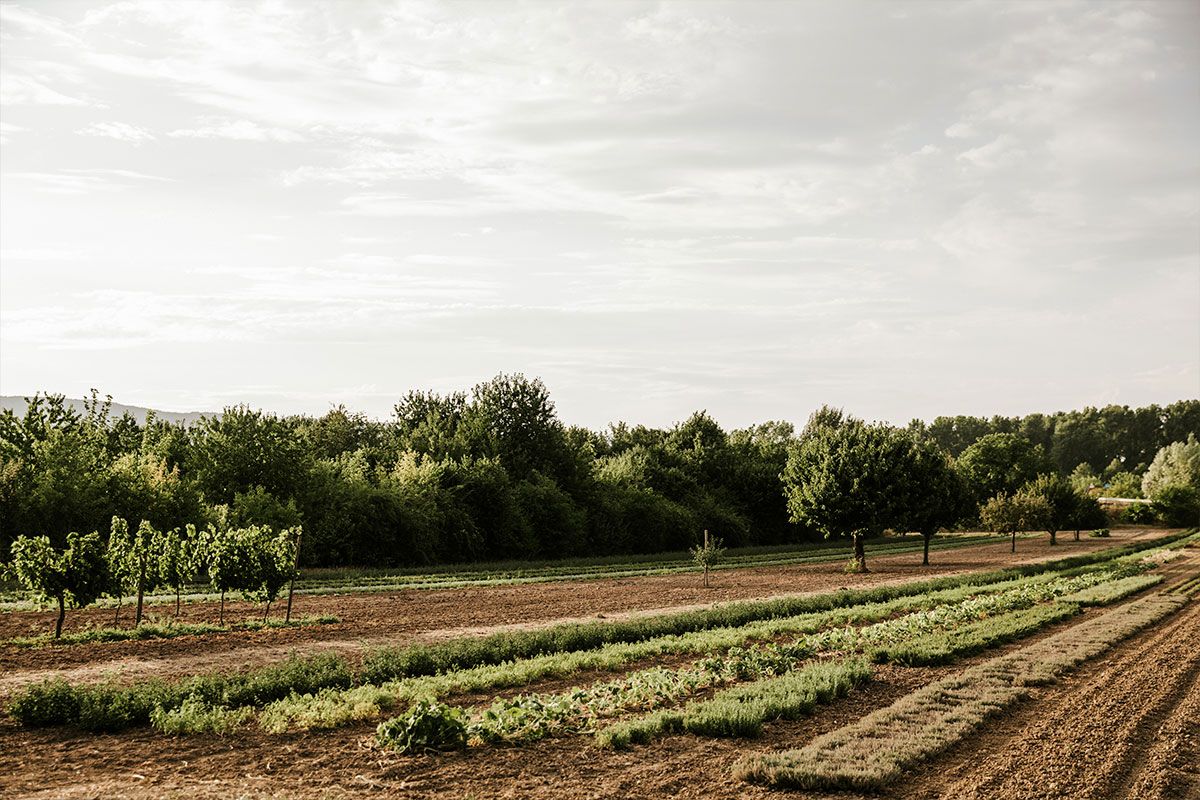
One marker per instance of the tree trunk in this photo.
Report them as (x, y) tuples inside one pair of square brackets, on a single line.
[(266, 611), (62, 613), (926, 537), (1053, 538), (137, 619), (222, 606), (178, 589), (1077, 534), (287, 617), (860, 555), (117, 616), (1014, 542)]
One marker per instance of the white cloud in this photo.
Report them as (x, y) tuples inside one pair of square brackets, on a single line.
[(118, 130), (770, 204), (238, 130)]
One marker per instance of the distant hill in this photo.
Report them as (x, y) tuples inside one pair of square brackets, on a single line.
[(18, 406)]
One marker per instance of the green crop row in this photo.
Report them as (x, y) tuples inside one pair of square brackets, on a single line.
[(330, 708), (877, 749), (163, 630), (741, 710), (530, 717)]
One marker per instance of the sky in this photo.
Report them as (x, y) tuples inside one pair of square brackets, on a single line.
[(902, 209)]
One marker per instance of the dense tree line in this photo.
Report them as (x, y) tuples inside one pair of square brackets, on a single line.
[(494, 474)]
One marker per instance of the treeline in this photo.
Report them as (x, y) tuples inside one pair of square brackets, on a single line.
[(1112, 439), (485, 475)]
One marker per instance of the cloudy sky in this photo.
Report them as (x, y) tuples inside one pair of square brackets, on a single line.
[(754, 208)]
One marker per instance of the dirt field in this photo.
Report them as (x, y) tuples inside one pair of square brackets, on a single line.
[(371, 620), (1124, 725)]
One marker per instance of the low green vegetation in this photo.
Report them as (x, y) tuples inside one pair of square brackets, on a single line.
[(742, 710), (164, 630), (874, 751)]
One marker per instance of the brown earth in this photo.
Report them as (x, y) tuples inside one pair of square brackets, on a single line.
[(1149, 751), (377, 619)]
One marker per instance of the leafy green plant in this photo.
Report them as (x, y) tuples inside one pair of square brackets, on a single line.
[(708, 554), (428, 727), (196, 716), (76, 575)]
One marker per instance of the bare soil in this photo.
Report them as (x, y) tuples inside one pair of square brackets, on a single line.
[(376, 619)]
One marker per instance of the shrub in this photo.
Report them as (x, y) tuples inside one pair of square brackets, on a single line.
[(1099, 533), (1140, 514), (52, 702), (197, 716), (1177, 506), (428, 727)]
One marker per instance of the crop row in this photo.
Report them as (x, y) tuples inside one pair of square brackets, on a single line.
[(336, 707), (531, 717), (875, 750)]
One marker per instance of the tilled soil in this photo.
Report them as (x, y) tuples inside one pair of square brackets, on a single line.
[(375, 619)]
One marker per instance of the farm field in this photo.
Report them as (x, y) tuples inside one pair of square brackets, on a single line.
[(706, 689), (375, 618)]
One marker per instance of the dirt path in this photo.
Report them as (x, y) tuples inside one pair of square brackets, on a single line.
[(372, 620)]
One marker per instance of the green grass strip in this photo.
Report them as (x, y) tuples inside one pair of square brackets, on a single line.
[(1107, 593), (162, 630), (946, 646)]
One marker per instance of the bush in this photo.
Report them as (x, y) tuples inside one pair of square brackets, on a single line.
[(1099, 533), (428, 727), (1177, 506), (196, 716), (1140, 514), (52, 702)]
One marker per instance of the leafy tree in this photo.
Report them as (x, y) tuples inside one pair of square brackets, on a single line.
[(936, 496), (242, 449), (1061, 502), (1000, 463), (1087, 513), (1123, 484), (76, 575), (121, 580), (513, 420), (1177, 464), (1014, 513), (849, 479)]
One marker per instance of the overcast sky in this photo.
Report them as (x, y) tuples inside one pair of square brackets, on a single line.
[(754, 208)]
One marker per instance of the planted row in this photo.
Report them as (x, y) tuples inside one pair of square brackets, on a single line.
[(328, 672), (255, 561)]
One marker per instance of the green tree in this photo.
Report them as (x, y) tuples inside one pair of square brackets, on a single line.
[(1061, 502), (1177, 464), (1000, 463), (936, 496), (75, 576), (1014, 513), (849, 479), (242, 449)]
